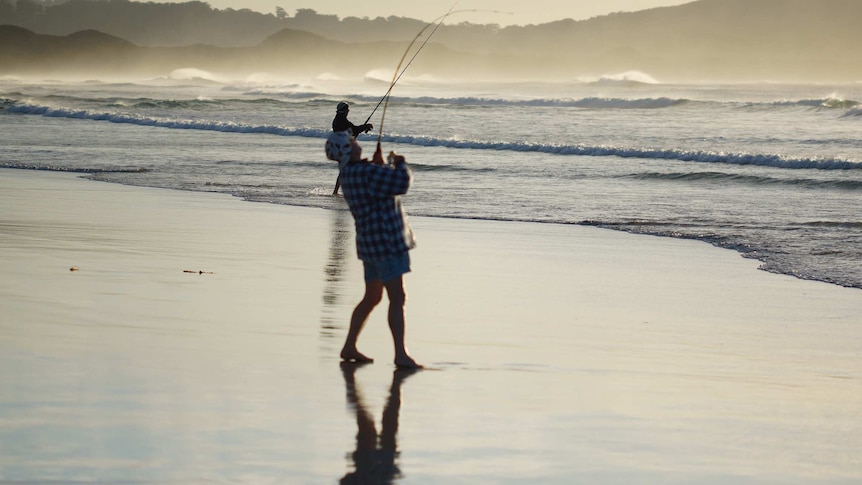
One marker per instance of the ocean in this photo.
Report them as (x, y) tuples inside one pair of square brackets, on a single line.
[(773, 171)]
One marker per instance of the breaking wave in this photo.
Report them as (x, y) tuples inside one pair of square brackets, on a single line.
[(266, 96), (768, 160), (760, 159)]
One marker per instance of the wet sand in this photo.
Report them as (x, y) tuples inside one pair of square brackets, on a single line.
[(197, 338)]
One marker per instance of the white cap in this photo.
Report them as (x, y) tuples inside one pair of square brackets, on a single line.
[(338, 147)]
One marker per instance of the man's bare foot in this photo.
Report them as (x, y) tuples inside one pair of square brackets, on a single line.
[(406, 362), (355, 356)]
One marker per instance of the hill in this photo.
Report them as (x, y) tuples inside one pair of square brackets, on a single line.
[(93, 54), (724, 39), (705, 40)]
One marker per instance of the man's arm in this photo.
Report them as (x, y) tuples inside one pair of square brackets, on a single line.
[(361, 128)]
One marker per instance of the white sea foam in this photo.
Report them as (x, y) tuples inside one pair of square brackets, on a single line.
[(379, 75), (628, 77), (191, 73)]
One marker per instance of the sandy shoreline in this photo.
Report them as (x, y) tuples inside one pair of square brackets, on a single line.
[(566, 354)]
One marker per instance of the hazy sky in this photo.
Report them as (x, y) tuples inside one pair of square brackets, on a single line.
[(522, 11)]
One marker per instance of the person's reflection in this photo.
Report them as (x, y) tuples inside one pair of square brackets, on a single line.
[(340, 235), (374, 460)]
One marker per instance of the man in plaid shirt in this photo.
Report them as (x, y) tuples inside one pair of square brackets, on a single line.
[(372, 190)]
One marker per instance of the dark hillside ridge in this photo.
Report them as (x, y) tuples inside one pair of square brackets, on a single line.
[(706, 40)]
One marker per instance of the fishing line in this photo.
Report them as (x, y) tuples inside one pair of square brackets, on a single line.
[(396, 76)]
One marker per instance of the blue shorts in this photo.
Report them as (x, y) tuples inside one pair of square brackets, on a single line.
[(387, 269)]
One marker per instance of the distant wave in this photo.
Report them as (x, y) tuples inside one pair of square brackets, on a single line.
[(628, 78), (196, 75), (154, 103), (834, 224), (830, 103), (824, 103), (162, 103), (6, 103), (193, 103), (54, 168), (769, 160), (586, 103), (281, 93), (222, 126), (720, 177), (420, 167), (614, 103), (275, 96)]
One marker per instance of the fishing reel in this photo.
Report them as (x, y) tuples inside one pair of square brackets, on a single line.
[(391, 158)]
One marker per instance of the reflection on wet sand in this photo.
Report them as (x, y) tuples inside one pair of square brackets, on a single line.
[(339, 246), (375, 458)]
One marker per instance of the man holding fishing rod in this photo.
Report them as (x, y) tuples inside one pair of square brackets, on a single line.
[(383, 234), (341, 123), (372, 190)]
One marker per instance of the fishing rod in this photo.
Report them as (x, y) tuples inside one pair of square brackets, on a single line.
[(394, 78), (438, 21)]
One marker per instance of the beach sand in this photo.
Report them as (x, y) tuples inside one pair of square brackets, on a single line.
[(197, 339)]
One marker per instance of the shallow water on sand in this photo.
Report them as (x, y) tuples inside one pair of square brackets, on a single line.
[(567, 355)]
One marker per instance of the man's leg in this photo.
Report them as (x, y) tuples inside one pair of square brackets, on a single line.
[(373, 294), (397, 299)]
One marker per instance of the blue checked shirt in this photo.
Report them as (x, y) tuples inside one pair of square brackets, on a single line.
[(373, 194)]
